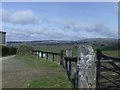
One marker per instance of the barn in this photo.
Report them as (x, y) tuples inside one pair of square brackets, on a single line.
[(2, 38)]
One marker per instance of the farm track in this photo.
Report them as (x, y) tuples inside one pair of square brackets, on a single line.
[(7, 57), (16, 74)]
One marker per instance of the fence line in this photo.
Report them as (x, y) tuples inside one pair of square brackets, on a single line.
[(111, 66), (103, 65), (102, 81), (84, 73), (40, 53)]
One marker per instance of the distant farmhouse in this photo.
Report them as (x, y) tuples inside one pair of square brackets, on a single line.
[(2, 38)]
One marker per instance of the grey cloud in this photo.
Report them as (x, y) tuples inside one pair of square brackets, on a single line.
[(96, 29), (102, 30), (24, 17), (65, 31), (20, 17)]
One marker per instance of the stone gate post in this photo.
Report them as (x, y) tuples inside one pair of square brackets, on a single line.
[(86, 67)]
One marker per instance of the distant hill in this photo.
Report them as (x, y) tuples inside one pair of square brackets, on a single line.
[(107, 41), (91, 41)]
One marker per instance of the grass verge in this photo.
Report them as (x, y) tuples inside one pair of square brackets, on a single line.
[(113, 53), (34, 61), (53, 81), (56, 80)]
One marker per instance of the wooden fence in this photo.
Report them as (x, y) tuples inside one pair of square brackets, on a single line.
[(46, 55), (108, 72), (89, 69), (81, 68)]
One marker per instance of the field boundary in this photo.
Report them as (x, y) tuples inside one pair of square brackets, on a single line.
[(66, 62)]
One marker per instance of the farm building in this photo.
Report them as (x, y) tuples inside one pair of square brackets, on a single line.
[(2, 38)]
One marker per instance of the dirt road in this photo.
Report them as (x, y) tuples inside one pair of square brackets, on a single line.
[(16, 74)]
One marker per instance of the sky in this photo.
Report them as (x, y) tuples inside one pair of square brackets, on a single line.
[(28, 21)]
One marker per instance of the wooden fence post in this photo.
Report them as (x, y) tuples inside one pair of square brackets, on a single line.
[(68, 63), (98, 68), (61, 58), (46, 56), (86, 67), (53, 57), (39, 54), (42, 54), (36, 54)]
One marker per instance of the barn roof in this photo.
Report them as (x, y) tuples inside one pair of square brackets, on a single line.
[(2, 32)]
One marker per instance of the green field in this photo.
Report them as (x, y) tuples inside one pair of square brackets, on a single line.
[(57, 78), (51, 81), (112, 53), (53, 48), (34, 61), (107, 50)]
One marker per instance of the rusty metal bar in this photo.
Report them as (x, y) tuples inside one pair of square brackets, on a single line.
[(74, 59), (110, 69), (110, 81), (106, 59)]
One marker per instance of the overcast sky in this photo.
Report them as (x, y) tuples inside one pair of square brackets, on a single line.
[(59, 21)]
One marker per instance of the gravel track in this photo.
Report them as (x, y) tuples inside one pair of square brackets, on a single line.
[(16, 74)]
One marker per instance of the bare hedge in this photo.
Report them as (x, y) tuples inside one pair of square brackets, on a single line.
[(25, 50), (7, 50)]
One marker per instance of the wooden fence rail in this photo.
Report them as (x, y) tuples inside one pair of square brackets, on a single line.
[(83, 69), (108, 72), (104, 65), (89, 69), (41, 54)]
